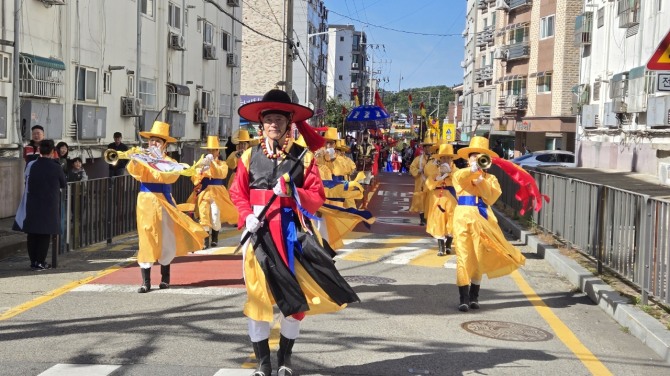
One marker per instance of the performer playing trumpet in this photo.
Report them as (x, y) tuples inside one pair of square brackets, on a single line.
[(163, 231)]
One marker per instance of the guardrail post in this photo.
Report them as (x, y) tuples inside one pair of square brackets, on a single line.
[(644, 255), (599, 234), (110, 191)]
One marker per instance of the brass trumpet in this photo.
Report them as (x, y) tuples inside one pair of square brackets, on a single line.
[(112, 156), (483, 161)]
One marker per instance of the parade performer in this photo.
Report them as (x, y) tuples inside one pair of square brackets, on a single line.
[(443, 197), (480, 245), (396, 161), (284, 262), (213, 203), (163, 231), (242, 143), (364, 161), (416, 169)]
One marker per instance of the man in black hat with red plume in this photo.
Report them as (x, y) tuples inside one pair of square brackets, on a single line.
[(284, 262)]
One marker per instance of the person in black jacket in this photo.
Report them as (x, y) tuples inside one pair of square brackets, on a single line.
[(39, 211), (119, 168)]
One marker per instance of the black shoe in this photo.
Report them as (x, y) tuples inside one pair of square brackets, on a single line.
[(39, 266), (440, 247), (165, 277), (474, 296), (447, 245), (215, 238), (146, 281), (463, 293)]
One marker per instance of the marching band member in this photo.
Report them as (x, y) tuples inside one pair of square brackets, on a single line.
[(443, 197), (481, 247), (242, 143), (284, 262), (213, 202), (416, 169), (366, 152), (163, 231)]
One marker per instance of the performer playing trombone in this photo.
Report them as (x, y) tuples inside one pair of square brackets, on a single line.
[(284, 261), (163, 231)]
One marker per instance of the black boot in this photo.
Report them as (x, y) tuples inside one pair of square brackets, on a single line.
[(206, 243), (465, 298), (146, 280), (447, 245), (165, 277), (215, 238), (440, 247), (262, 352), (422, 219), (284, 356), (474, 296)]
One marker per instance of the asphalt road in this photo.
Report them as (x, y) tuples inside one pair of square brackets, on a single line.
[(85, 318)]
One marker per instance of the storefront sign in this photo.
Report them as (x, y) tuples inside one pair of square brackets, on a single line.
[(524, 126)]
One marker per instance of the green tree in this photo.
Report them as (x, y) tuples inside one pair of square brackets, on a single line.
[(334, 116)]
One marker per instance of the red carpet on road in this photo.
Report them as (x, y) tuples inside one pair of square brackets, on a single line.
[(191, 271)]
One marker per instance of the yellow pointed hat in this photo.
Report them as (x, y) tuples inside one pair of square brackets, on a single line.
[(212, 143), (446, 150), (242, 136), (428, 140), (331, 134), (161, 130), (479, 145)]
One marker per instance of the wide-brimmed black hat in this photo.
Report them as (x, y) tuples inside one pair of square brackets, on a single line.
[(277, 100)]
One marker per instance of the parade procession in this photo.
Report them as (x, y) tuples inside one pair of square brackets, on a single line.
[(334, 187)]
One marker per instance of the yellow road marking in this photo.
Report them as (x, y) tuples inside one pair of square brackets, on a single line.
[(562, 331), (430, 259), (59, 291), (374, 254)]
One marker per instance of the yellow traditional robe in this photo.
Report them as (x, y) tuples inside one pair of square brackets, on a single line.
[(231, 162), (440, 217), (480, 245), (214, 193), (163, 230), (419, 163)]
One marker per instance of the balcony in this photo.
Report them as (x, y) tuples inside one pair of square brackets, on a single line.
[(484, 74), (485, 36), (41, 77), (518, 51), (583, 26), (516, 4), (629, 13), (513, 103), (482, 4), (481, 112)]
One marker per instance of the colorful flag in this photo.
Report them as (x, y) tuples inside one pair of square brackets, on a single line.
[(378, 101), (357, 102), (422, 109), (344, 110)]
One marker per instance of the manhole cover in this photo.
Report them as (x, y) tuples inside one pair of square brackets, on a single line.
[(368, 279), (507, 331)]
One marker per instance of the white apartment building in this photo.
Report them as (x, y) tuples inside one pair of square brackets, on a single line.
[(81, 76), (265, 57), (340, 63), (623, 117)]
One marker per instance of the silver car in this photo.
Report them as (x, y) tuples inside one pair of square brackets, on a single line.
[(547, 158)]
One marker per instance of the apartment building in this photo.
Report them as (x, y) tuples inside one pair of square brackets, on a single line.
[(521, 64), (265, 57), (82, 78), (623, 112)]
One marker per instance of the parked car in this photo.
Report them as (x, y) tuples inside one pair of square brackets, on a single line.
[(547, 158)]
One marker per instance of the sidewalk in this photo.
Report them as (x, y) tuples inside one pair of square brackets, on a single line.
[(11, 242)]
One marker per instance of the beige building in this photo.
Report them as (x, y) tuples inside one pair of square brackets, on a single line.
[(525, 64)]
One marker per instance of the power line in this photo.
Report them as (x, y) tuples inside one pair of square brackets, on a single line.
[(242, 23), (396, 30)]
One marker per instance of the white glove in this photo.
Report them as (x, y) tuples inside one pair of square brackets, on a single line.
[(331, 152), (252, 223), (207, 160), (277, 189), (441, 177), (478, 180), (474, 167), (155, 152), (445, 168)]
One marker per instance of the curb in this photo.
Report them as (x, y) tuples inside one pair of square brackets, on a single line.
[(641, 325)]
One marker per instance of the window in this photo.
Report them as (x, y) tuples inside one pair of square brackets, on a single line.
[(174, 16), (107, 82), (340, 77), (342, 38), (601, 17), (517, 87), (341, 58), (185, 17), (225, 41), (658, 5), (147, 7), (225, 103), (547, 27), (131, 85), (518, 35), (86, 84), (208, 34), (206, 101), (596, 91), (148, 92), (4, 66), (544, 83)]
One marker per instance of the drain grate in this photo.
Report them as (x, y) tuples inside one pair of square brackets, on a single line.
[(368, 279), (507, 331)]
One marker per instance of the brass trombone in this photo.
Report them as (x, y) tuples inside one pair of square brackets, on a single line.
[(483, 161)]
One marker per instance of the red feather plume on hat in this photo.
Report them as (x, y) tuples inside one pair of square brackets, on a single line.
[(313, 140)]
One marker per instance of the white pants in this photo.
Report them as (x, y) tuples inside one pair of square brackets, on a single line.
[(260, 330)]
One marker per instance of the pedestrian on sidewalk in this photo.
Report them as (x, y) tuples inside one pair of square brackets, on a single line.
[(164, 232), (64, 160), (39, 211), (284, 262), (77, 172), (480, 245)]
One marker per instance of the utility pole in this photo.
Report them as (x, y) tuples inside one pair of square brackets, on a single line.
[(438, 105), (15, 74), (139, 65), (289, 49)]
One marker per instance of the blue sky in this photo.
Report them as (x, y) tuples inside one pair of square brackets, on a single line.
[(421, 60)]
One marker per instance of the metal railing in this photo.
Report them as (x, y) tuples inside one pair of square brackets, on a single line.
[(98, 210), (624, 231)]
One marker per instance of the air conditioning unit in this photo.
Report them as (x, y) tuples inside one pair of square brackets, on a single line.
[(131, 107), (354, 85), (232, 60), (201, 116), (354, 65), (53, 2), (619, 106), (501, 5), (664, 173), (233, 3), (176, 41), (500, 53), (209, 52)]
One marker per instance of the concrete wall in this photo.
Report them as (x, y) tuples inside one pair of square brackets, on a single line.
[(11, 171)]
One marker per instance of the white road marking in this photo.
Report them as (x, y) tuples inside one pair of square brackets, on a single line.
[(80, 370), (216, 291)]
